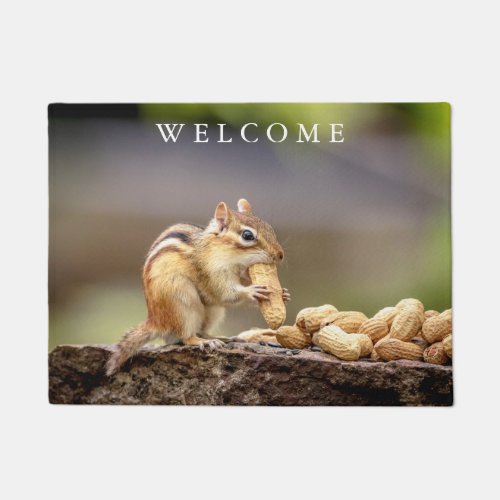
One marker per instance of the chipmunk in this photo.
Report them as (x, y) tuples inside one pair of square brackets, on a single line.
[(192, 273)]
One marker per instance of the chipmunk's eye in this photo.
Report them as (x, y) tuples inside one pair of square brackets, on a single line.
[(247, 235)]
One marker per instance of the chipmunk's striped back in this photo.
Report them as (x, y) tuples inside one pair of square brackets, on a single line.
[(168, 257), (175, 238)]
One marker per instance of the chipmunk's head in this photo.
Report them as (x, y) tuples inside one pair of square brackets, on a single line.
[(252, 239)]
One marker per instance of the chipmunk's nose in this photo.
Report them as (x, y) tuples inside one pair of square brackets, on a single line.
[(280, 255)]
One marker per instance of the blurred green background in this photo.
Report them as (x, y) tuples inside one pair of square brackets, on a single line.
[(363, 223)]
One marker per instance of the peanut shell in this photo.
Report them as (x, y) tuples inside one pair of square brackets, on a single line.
[(374, 328), (447, 345), (310, 318), (273, 310), (365, 342), (391, 349), (292, 337), (412, 303), (387, 314), (435, 354), (446, 314), (430, 313), (334, 340), (258, 335), (407, 324), (436, 328), (349, 321)]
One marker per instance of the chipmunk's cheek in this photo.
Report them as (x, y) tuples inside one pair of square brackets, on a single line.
[(259, 258), (248, 260)]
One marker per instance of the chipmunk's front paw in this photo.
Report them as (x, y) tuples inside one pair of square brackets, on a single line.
[(256, 293), (286, 295)]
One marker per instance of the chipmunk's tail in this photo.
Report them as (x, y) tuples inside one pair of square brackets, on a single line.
[(129, 345)]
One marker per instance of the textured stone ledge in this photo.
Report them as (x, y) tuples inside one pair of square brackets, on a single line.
[(242, 374)]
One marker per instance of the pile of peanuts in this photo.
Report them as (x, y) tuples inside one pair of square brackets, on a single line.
[(405, 331)]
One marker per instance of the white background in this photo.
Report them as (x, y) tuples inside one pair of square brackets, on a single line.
[(255, 51)]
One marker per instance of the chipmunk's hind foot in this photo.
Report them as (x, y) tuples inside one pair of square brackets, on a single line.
[(204, 344)]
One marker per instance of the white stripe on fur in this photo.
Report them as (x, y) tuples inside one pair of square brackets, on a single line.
[(169, 242)]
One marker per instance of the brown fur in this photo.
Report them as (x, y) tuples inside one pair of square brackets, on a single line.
[(191, 274)]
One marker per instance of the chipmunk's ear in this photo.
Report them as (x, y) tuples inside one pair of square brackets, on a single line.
[(244, 207), (222, 215)]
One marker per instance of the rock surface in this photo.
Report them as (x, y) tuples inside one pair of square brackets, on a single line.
[(242, 374)]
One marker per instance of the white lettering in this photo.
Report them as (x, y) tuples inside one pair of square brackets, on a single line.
[(336, 132), (269, 129), (314, 132), (200, 132), (221, 133), (243, 130), (171, 130)]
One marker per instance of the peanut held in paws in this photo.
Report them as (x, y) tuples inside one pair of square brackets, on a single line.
[(273, 310)]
